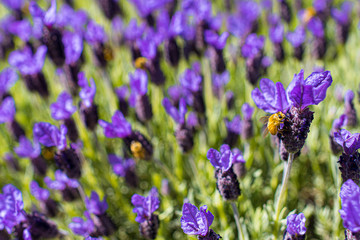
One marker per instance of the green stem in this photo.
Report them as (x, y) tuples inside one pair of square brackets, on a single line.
[(237, 220), (282, 196)]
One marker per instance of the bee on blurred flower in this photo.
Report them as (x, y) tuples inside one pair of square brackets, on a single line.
[(138, 150), (273, 123), (140, 62), (308, 14)]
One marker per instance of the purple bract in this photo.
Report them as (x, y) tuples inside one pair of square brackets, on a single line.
[(349, 142), (296, 224), (27, 149), (26, 62), (195, 221), (145, 206), (177, 114), (120, 166), (7, 110), (49, 135), (39, 193), (118, 128), (350, 205), (61, 181), (94, 205), (87, 92), (63, 108), (222, 159)]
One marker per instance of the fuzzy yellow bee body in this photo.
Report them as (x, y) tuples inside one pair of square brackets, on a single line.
[(273, 123)]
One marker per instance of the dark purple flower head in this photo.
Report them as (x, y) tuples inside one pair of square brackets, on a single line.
[(349, 142), (249, 10), (310, 91), (120, 165), (145, 7), (342, 16), (133, 31), (247, 111), (196, 221), (192, 120), (237, 156), (177, 114), (191, 80), (122, 92), (215, 40), (297, 37), (271, 98), (349, 96), (296, 224), (13, 4), (11, 208), (219, 80), (87, 92), (170, 28), (8, 78), (175, 92), (61, 181), (222, 159), (95, 33), (253, 45), (118, 128), (239, 27), (49, 135), (26, 62), (148, 43), (234, 125), (145, 206), (63, 108), (27, 149), (340, 122), (22, 29), (68, 17), (350, 206), (73, 46), (94, 205), (276, 34), (7, 110), (138, 82), (39, 193), (316, 27), (81, 227), (320, 5)]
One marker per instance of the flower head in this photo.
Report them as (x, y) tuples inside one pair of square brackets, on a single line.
[(196, 221), (63, 108), (87, 92), (349, 142), (39, 193), (138, 82), (247, 111), (234, 125), (95, 33), (298, 37), (68, 17), (276, 34), (145, 206), (61, 181), (237, 156), (8, 77), (170, 28), (13, 4), (350, 206), (49, 135), (191, 80), (26, 62), (73, 46), (7, 110), (253, 46), (81, 227), (339, 122), (217, 41), (220, 80), (316, 27), (148, 43), (27, 149), (296, 224), (120, 165), (177, 114), (145, 7), (221, 160), (22, 29), (118, 128), (342, 16), (48, 18), (134, 31), (94, 205)]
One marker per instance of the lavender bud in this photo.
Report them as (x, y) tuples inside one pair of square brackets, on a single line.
[(342, 33), (184, 137), (199, 35), (110, 8), (230, 99), (350, 167), (68, 161), (89, 115), (71, 72), (279, 52), (212, 235), (143, 108), (72, 129), (253, 69), (227, 184), (51, 207), (172, 52), (334, 146), (288, 236), (285, 11), (149, 227), (16, 129), (247, 129), (350, 110), (52, 38), (37, 83), (40, 227)]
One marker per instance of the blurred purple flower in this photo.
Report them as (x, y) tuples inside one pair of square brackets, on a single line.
[(63, 108), (68, 17), (81, 227), (138, 82), (348, 188), (26, 62), (192, 120), (8, 78), (87, 92), (119, 128), (13, 4), (253, 45), (237, 156), (73, 46), (316, 27), (22, 29), (222, 159), (234, 125), (95, 33), (195, 221), (247, 111), (349, 142), (215, 40), (239, 27), (249, 10), (39, 193), (50, 14), (27, 149), (146, 7), (94, 205), (350, 206), (297, 37), (145, 206), (296, 224), (219, 80), (61, 181), (49, 135), (177, 114), (133, 31), (148, 43), (175, 93), (122, 92), (342, 16), (120, 166), (276, 34), (7, 110), (191, 80), (340, 122), (170, 28), (200, 9)]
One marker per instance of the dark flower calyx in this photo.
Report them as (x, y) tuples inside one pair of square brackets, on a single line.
[(212, 235), (227, 184), (350, 167), (69, 162), (149, 227)]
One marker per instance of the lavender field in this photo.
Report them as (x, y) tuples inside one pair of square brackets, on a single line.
[(179, 119)]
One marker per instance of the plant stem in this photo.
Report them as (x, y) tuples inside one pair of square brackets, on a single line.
[(282, 196), (237, 220)]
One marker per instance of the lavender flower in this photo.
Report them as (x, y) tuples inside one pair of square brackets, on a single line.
[(48, 205), (22, 29), (196, 221), (336, 127), (73, 46), (14, 4), (177, 115), (350, 203), (350, 110), (342, 18), (81, 227), (63, 108), (297, 39), (7, 115), (124, 168), (119, 128), (94, 205), (145, 207), (123, 94), (247, 124), (88, 109), (253, 46), (49, 135), (8, 78), (233, 130), (145, 8), (238, 163), (295, 227), (95, 33), (67, 186)]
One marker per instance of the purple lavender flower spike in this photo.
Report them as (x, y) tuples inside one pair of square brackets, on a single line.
[(195, 221), (238, 27), (237, 156), (215, 40), (145, 8), (349, 142), (39, 193), (271, 98), (350, 203), (81, 227), (95, 33), (247, 111), (342, 16), (296, 224), (119, 128), (50, 14), (8, 77), (87, 92), (191, 80), (73, 46), (49, 135), (122, 92), (253, 46), (120, 166), (7, 110), (27, 149), (220, 160), (133, 31), (340, 122), (298, 37), (192, 120), (145, 206), (249, 10), (139, 82), (310, 91), (22, 29), (316, 27), (220, 80), (148, 44), (26, 62), (61, 181), (276, 34), (177, 115), (14, 4), (94, 205), (234, 125), (63, 108)]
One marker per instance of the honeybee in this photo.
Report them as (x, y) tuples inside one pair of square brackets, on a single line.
[(273, 123), (140, 62)]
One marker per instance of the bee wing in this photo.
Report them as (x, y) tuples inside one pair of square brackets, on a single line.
[(264, 119), (265, 132)]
